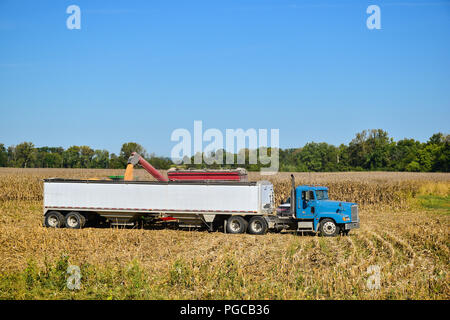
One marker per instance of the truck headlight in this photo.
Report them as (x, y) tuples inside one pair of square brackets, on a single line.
[(346, 218)]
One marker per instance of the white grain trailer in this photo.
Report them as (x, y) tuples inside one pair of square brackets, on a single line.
[(237, 206)]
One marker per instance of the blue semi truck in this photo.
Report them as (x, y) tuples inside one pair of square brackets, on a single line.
[(232, 206), (309, 209)]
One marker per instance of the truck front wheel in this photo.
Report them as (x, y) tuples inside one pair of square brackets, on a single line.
[(328, 228), (74, 220), (236, 224), (54, 219), (257, 225)]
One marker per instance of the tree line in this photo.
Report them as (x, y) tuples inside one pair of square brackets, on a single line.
[(26, 155), (369, 150)]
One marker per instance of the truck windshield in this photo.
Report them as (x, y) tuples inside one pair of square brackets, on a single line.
[(322, 194)]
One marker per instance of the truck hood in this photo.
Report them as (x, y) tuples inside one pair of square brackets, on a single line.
[(334, 205)]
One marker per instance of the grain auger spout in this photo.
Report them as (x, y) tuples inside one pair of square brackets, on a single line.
[(136, 158)]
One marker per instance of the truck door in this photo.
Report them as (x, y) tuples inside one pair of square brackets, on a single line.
[(306, 205)]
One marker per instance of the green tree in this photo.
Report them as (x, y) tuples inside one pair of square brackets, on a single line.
[(370, 149), (379, 148), (115, 162), (425, 157), (49, 157), (25, 155), (439, 145), (86, 154), (12, 156), (357, 150), (437, 139), (287, 159), (72, 157), (40, 157), (128, 148), (403, 154), (162, 163), (413, 166), (53, 160), (342, 161), (3, 156), (319, 157), (100, 159)]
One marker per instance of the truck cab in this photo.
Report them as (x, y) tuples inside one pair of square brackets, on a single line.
[(329, 217), (312, 210)]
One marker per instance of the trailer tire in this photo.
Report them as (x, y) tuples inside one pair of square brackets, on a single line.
[(74, 220), (328, 228), (54, 219), (257, 225), (236, 224)]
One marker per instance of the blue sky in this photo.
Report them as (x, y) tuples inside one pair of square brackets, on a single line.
[(137, 70)]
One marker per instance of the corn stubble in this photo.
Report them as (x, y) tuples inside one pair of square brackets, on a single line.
[(410, 246)]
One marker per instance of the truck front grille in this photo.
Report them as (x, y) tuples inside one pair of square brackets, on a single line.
[(355, 216)]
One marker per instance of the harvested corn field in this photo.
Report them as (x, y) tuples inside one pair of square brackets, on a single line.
[(401, 250)]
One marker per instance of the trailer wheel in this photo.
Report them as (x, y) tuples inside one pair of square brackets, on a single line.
[(257, 225), (54, 219), (328, 228), (74, 220), (236, 224)]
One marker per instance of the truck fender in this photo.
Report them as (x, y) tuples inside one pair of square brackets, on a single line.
[(316, 224)]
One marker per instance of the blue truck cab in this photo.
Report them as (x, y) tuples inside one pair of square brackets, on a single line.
[(312, 210), (329, 217)]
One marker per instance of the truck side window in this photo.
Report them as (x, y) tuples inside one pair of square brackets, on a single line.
[(311, 195), (303, 195)]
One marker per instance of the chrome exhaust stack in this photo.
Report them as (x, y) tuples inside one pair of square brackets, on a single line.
[(293, 198)]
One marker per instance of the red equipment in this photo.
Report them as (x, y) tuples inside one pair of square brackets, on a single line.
[(222, 175), (173, 174)]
